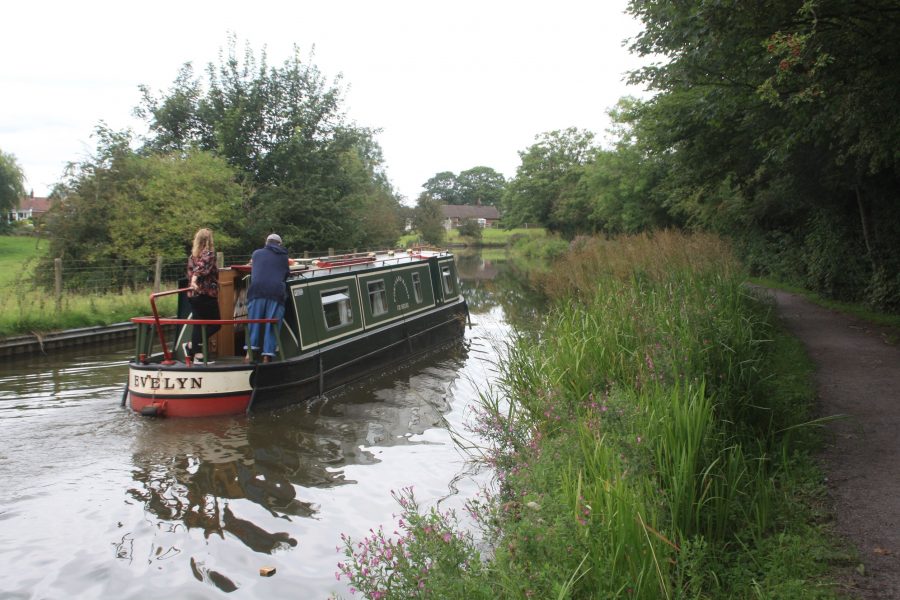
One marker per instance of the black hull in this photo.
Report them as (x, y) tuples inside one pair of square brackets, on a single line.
[(295, 380)]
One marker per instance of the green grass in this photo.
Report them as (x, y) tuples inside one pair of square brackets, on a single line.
[(17, 256), (651, 439), (25, 309), (34, 311), (493, 237)]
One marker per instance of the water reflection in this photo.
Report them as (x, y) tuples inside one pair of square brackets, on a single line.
[(489, 279), (99, 502), (187, 470)]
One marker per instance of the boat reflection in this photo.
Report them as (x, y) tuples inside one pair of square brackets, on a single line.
[(193, 472)]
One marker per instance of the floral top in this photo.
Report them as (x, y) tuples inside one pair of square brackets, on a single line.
[(207, 274)]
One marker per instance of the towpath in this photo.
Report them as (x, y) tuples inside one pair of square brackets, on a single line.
[(857, 375)]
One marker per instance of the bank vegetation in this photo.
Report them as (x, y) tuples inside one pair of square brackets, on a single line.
[(650, 438)]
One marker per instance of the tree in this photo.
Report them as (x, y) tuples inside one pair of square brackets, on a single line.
[(478, 185), (443, 188), (470, 229), (550, 169), (125, 207), (429, 220), (481, 185), (311, 175), (11, 187), (775, 123)]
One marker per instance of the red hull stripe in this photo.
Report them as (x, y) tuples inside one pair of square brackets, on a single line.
[(194, 406), (191, 397)]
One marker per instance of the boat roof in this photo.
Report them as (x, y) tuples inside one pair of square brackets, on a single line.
[(309, 268)]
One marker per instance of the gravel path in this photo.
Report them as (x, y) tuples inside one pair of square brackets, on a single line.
[(857, 375)]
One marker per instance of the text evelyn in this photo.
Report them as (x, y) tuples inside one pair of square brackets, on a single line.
[(166, 383)]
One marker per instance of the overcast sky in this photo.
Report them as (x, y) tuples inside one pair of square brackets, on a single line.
[(451, 85)]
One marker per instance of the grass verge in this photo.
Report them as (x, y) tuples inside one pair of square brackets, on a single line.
[(29, 310), (26, 309), (651, 439), (492, 237)]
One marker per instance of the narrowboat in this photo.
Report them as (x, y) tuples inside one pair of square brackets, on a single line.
[(345, 316)]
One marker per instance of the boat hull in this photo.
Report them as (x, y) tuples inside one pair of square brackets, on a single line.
[(198, 391), (181, 391)]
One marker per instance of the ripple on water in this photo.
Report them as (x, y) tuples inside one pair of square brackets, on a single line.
[(98, 502)]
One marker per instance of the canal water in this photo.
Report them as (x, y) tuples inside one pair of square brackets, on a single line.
[(97, 502)]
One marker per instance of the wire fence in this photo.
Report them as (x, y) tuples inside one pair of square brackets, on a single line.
[(60, 276), (57, 277)]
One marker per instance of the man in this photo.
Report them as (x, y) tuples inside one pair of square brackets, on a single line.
[(266, 295)]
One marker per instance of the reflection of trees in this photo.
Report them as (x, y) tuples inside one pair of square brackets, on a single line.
[(522, 303), (489, 283), (481, 296), (186, 471)]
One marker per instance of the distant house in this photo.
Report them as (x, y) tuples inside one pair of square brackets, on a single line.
[(30, 207), (457, 214)]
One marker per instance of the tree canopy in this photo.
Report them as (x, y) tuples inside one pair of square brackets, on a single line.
[(317, 179), (478, 185), (429, 220), (123, 206), (11, 183), (251, 150), (773, 121)]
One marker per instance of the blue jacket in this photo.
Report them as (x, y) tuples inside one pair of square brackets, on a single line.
[(270, 269)]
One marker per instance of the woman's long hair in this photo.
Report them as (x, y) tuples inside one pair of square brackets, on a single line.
[(203, 240)]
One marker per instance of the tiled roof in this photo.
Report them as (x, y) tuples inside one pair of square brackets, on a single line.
[(466, 211), (36, 204)]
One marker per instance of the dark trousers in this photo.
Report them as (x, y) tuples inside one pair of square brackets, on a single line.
[(203, 307)]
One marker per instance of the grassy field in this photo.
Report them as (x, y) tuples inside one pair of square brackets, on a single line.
[(17, 256), (494, 237), (26, 309)]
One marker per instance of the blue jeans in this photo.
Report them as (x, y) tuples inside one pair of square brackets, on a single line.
[(263, 308)]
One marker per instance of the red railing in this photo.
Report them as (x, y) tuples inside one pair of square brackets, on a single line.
[(158, 322)]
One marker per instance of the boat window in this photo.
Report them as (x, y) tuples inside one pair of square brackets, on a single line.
[(417, 287), (448, 282), (377, 297), (336, 308)]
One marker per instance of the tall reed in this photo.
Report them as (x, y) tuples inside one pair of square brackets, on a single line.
[(633, 432), (648, 376)]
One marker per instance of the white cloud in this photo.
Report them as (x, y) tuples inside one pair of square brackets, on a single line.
[(451, 85)]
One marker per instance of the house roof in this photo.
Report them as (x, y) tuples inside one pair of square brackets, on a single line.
[(467, 211), (35, 203)]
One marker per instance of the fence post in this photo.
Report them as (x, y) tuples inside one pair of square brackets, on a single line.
[(157, 275), (331, 252), (57, 280), (306, 254), (220, 259)]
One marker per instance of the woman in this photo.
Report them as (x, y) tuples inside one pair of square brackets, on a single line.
[(203, 275)]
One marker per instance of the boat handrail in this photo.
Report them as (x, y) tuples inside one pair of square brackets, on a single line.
[(159, 322), (176, 321)]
